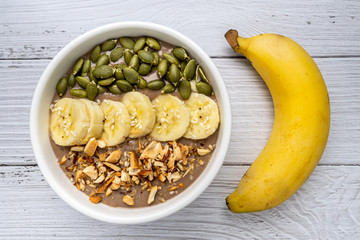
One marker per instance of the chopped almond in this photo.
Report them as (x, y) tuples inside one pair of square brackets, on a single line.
[(95, 199), (125, 176), (203, 151), (108, 192), (100, 179), (173, 188), (77, 148), (91, 146), (162, 178), (152, 194), (128, 200), (114, 186), (63, 160), (152, 150), (91, 172), (133, 160), (114, 157), (117, 180), (112, 166), (101, 143), (144, 173), (171, 162), (77, 175), (104, 187)]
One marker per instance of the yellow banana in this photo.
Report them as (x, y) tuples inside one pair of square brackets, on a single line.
[(301, 122)]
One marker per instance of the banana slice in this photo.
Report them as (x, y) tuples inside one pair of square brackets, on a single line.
[(69, 122), (117, 122), (205, 117), (172, 118), (141, 112), (96, 120)]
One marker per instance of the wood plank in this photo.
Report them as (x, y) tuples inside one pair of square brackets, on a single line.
[(251, 107), (325, 207), (34, 29)]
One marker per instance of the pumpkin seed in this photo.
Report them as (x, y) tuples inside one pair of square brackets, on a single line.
[(142, 84), (103, 71), (124, 85), (119, 74), (174, 74), (162, 68), (145, 56), (153, 68), (204, 88), (101, 89), (193, 86), (61, 86), (144, 69), (91, 91), (197, 75), (116, 54), (103, 60), (156, 84), (115, 89), (169, 88), (71, 81), (140, 43), (106, 82), (189, 70), (156, 58), (78, 65), (95, 54), (85, 68), (127, 42), (108, 45), (131, 75), (120, 66), (82, 81), (202, 75), (183, 65), (128, 55), (134, 62), (91, 76), (184, 89), (153, 43), (180, 53), (171, 59), (80, 93)]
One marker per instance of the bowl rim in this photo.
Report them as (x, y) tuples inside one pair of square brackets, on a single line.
[(200, 187)]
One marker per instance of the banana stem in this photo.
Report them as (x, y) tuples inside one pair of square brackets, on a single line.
[(234, 39)]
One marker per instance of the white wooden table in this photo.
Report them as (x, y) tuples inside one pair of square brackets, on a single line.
[(326, 207)]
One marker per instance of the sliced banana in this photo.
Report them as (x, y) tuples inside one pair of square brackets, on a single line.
[(141, 112), (116, 122), (172, 118), (96, 120), (69, 122), (205, 117)]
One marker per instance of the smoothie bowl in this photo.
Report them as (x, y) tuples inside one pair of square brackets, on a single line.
[(130, 122)]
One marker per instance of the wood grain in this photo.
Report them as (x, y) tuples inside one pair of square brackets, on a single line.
[(329, 198), (38, 29)]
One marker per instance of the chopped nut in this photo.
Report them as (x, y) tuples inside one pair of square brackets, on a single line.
[(112, 166), (128, 200), (162, 178), (171, 162), (133, 161), (103, 156), (101, 143), (173, 188), (82, 186), (114, 186), (211, 147), (117, 180), (104, 187), (114, 157), (144, 173), (174, 177), (201, 162), (63, 160), (158, 164), (125, 176), (77, 175), (180, 166), (95, 199), (100, 179), (181, 185), (152, 150), (108, 192), (152, 194), (203, 151), (91, 146), (102, 169), (133, 171), (77, 148), (91, 172), (162, 200), (177, 152)]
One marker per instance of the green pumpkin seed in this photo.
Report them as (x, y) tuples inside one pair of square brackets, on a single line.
[(144, 69), (197, 75), (103, 60), (134, 62), (153, 68), (140, 43), (101, 89), (174, 74), (162, 68), (71, 81), (103, 71), (184, 89), (131, 75), (120, 66), (156, 84), (189, 70), (156, 58), (169, 88), (95, 54), (119, 74), (106, 82), (171, 59), (91, 90), (86, 67), (142, 84), (78, 65), (91, 76), (145, 56), (180, 53), (202, 75), (193, 86), (116, 54), (108, 45), (153, 43), (124, 85), (127, 42), (82, 81), (204, 88), (80, 93), (61, 86), (114, 89), (183, 65), (128, 55)]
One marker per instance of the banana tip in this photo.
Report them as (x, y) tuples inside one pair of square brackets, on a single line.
[(231, 38)]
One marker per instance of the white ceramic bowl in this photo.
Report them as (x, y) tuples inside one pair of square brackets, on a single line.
[(39, 120)]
